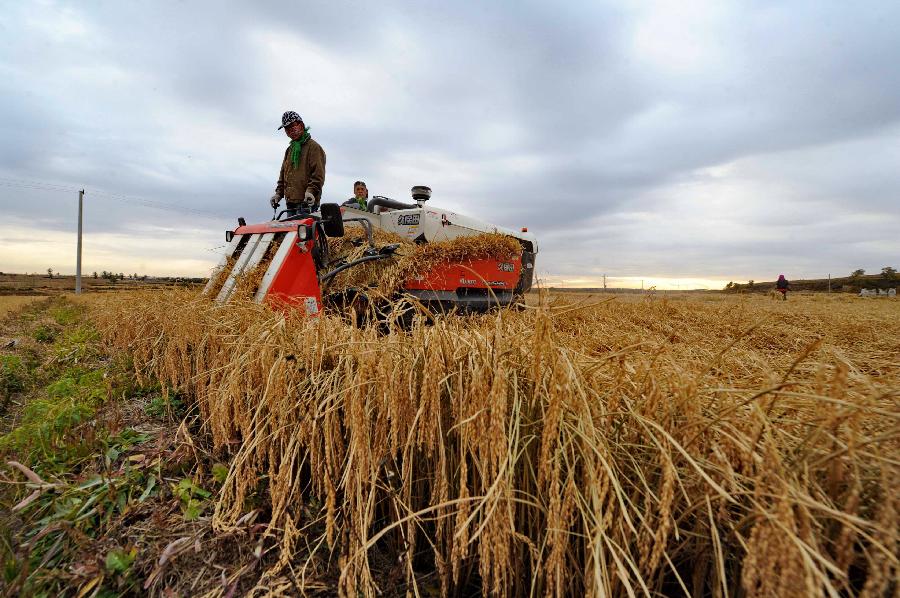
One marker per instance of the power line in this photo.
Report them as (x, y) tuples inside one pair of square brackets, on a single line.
[(35, 185), (150, 203)]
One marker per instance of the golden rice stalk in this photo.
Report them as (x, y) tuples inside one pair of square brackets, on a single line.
[(220, 276), (692, 446)]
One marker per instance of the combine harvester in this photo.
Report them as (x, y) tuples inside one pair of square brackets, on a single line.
[(294, 251)]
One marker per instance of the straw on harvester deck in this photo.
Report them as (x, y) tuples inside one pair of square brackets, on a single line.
[(247, 283), (387, 276), (628, 447)]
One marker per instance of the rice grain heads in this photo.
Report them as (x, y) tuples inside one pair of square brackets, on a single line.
[(596, 447)]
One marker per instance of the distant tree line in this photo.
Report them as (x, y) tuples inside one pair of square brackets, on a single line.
[(855, 280), (113, 277), (887, 273), (110, 276)]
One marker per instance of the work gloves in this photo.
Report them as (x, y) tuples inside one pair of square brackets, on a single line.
[(308, 198)]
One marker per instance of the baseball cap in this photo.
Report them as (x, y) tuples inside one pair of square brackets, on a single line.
[(289, 118)]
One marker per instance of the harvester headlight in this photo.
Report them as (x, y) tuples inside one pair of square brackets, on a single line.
[(304, 233)]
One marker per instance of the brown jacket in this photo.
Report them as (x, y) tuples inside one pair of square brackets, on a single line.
[(309, 175)]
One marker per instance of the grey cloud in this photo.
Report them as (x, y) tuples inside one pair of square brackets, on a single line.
[(538, 115)]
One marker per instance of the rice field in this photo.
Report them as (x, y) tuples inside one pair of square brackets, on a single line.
[(11, 303), (713, 445)]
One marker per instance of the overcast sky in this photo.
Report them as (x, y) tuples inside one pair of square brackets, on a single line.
[(683, 143)]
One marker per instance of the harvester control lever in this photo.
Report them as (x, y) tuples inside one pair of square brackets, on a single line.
[(292, 214)]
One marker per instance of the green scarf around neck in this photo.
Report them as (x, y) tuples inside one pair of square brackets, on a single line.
[(296, 146)]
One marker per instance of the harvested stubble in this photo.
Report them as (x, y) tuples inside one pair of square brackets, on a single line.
[(385, 277), (687, 447), (11, 303)]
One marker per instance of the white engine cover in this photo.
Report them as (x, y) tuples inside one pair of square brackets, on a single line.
[(434, 223)]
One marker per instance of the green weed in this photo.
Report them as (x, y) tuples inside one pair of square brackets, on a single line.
[(12, 376), (44, 334), (119, 561), (47, 426), (77, 345), (220, 472), (66, 313), (166, 406), (192, 497), (66, 514)]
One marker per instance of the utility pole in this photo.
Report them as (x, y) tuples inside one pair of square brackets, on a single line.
[(604, 282), (78, 259), (829, 283)]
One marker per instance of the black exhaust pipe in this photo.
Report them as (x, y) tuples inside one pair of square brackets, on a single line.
[(387, 202)]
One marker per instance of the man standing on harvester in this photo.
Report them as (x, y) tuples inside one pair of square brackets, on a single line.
[(302, 170)]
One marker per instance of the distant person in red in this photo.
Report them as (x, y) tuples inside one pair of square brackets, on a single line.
[(782, 286)]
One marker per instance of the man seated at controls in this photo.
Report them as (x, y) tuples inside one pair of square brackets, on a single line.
[(360, 196), (302, 170)]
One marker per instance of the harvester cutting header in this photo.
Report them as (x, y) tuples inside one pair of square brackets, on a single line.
[(367, 253)]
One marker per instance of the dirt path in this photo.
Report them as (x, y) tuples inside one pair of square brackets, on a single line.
[(120, 484)]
